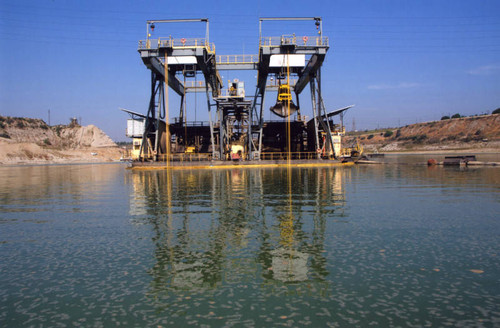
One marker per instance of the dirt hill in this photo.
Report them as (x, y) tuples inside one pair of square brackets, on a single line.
[(479, 132), (32, 140)]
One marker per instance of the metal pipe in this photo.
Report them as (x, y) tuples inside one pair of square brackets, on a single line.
[(177, 20), (288, 18)]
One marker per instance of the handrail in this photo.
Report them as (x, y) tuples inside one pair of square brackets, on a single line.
[(284, 155), (308, 41), (265, 156), (237, 59), (275, 83), (192, 123), (194, 84), (182, 43), (186, 157)]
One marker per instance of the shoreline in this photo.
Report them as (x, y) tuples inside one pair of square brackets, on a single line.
[(440, 151), (86, 161), (55, 163)]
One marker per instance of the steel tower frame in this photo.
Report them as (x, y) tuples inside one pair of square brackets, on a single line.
[(167, 56)]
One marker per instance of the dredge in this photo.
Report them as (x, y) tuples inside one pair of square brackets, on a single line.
[(236, 131)]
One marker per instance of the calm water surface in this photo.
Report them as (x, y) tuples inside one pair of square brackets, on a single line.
[(386, 245)]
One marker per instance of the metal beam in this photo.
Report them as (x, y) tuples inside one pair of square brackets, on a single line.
[(177, 20), (156, 65), (209, 70), (237, 66), (311, 68)]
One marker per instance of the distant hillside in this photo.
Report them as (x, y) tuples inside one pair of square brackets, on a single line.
[(457, 133), (29, 130), (26, 139)]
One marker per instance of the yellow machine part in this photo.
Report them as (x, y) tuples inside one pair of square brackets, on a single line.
[(284, 92), (283, 102)]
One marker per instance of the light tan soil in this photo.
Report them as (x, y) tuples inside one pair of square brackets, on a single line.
[(31, 141)]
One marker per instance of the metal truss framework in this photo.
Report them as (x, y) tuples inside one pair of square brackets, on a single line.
[(168, 58)]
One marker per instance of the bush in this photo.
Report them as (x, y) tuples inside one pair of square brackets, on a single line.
[(370, 136), (47, 142), (388, 133), (446, 117), (456, 116), (421, 138), (398, 133), (58, 130), (4, 135), (496, 111), (20, 124)]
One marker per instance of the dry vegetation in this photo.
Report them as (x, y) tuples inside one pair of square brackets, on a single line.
[(27, 140), (479, 132)]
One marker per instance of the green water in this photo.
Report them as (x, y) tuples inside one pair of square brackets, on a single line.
[(391, 245)]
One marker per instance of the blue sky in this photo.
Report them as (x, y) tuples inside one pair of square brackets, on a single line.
[(400, 62)]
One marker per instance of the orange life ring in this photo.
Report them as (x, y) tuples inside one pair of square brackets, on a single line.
[(183, 41), (305, 39)]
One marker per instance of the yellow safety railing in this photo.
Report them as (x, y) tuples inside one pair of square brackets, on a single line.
[(202, 157), (177, 43), (237, 59), (186, 157), (273, 41), (274, 156), (264, 156)]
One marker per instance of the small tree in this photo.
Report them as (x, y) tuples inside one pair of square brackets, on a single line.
[(456, 116), (388, 133), (446, 117), (496, 111)]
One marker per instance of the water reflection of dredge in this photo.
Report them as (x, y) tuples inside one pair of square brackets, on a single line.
[(236, 129), (216, 228)]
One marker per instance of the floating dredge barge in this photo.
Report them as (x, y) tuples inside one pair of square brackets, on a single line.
[(236, 132)]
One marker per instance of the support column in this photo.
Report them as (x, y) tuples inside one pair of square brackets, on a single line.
[(165, 106), (214, 153), (315, 115)]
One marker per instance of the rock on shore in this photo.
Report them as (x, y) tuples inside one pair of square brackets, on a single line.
[(26, 140)]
